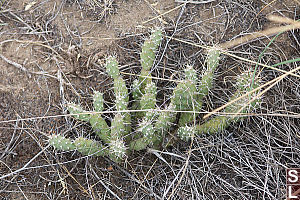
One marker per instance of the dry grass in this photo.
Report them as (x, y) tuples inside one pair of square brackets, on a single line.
[(49, 59)]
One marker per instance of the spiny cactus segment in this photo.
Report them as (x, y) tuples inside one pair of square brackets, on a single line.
[(186, 132), (100, 127), (83, 145), (138, 88), (186, 95), (148, 99), (117, 149), (149, 49), (112, 67), (138, 130), (117, 126), (98, 101), (219, 123), (148, 56), (89, 147), (78, 112), (166, 119), (135, 88), (61, 143), (212, 61), (120, 90), (203, 86)]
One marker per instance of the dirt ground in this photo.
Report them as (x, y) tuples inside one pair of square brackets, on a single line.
[(52, 52)]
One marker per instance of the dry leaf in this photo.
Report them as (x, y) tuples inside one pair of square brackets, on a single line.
[(28, 6)]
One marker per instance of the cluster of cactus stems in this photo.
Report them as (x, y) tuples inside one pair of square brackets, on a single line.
[(154, 123)]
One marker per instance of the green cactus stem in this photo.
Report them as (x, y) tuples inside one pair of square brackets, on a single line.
[(191, 74), (149, 49), (149, 136), (205, 84), (112, 67), (120, 90), (90, 147), (214, 125), (117, 126), (61, 143), (151, 127), (220, 123), (185, 93), (78, 112), (186, 132), (122, 100), (138, 144), (183, 99), (148, 99), (98, 101), (117, 145), (187, 117), (100, 127), (117, 150), (212, 61), (147, 129), (148, 56), (98, 124), (165, 120), (135, 89), (83, 145), (186, 97)]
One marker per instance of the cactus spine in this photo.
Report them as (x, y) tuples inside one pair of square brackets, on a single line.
[(151, 124)]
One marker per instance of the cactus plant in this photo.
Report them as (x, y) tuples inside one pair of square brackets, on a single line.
[(153, 123)]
